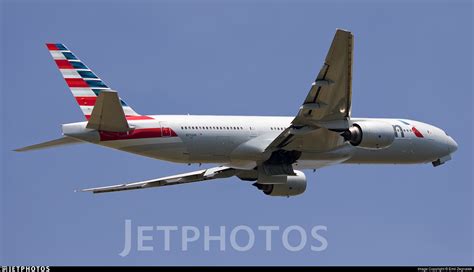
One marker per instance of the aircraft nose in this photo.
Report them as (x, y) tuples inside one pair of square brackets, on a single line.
[(452, 145)]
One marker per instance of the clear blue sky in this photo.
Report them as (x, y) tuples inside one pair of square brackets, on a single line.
[(412, 60)]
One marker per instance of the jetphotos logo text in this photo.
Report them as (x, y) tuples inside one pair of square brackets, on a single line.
[(240, 238)]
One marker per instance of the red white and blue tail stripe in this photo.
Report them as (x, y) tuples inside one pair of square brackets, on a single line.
[(84, 84)]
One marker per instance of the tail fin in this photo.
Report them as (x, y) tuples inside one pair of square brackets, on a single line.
[(84, 84)]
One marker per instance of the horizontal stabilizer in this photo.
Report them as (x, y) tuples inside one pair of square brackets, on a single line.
[(108, 114), (49, 144)]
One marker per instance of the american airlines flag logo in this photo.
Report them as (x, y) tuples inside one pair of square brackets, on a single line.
[(83, 83)]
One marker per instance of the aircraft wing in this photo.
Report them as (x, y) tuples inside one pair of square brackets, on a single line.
[(329, 98), (327, 105), (201, 175)]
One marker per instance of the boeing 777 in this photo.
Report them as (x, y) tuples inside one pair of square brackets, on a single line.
[(267, 150)]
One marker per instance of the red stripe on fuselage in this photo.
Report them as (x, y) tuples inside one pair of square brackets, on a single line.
[(63, 64), (139, 133), (138, 117)]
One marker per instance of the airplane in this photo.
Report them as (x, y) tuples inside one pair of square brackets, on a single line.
[(269, 151)]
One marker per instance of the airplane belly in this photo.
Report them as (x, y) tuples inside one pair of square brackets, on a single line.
[(212, 148), (315, 160), (201, 148), (163, 148), (402, 151)]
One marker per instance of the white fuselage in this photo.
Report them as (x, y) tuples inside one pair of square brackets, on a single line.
[(240, 141)]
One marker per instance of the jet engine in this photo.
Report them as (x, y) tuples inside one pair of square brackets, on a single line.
[(370, 134), (294, 185)]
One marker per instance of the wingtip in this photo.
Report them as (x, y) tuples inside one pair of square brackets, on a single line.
[(21, 149)]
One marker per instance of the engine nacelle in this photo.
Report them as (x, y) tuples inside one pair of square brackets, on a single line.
[(370, 134), (294, 185)]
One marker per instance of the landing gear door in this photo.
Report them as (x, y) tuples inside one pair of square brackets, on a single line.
[(165, 130)]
